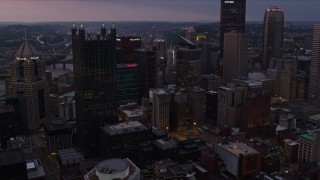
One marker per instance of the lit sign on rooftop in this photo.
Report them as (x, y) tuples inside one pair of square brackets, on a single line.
[(21, 59), (228, 2), (135, 39), (34, 58), (131, 65)]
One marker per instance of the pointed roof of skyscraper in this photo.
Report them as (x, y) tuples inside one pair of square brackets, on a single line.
[(191, 29), (187, 42), (26, 50)]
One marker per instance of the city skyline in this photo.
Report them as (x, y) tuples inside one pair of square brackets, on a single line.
[(145, 10)]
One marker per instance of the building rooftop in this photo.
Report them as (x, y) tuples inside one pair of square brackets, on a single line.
[(304, 58), (56, 124), (249, 82), (35, 169), (239, 148), (123, 128), (9, 157), (26, 50), (211, 76), (315, 117), (166, 143), (160, 91), (166, 168), (308, 136), (67, 156), (187, 42), (197, 89), (158, 132), (224, 88), (133, 113), (114, 167), (69, 94), (19, 142), (256, 76), (291, 142)]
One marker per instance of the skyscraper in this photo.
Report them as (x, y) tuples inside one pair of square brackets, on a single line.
[(128, 44), (28, 79), (147, 61), (230, 100), (197, 103), (232, 17), (235, 55), (127, 83), (314, 84), (95, 71), (272, 34), (188, 64), (160, 115)]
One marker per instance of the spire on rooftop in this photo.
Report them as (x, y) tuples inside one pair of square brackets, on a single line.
[(26, 50)]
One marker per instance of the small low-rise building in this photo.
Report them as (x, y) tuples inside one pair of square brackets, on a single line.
[(58, 134), (123, 169), (240, 159), (127, 140)]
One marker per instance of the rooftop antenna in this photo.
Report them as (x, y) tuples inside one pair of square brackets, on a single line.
[(25, 34)]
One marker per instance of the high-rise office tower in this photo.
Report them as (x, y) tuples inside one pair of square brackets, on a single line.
[(232, 17), (272, 34), (314, 84), (28, 79), (170, 69), (160, 114), (235, 55), (207, 57), (197, 103), (147, 69), (128, 44), (230, 100), (180, 111), (160, 47), (255, 112), (95, 72), (127, 83), (188, 64), (171, 57)]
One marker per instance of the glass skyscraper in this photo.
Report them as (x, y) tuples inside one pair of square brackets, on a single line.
[(95, 71), (314, 85), (232, 17), (272, 34)]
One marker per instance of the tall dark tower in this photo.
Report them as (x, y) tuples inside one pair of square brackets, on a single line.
[(188, 64), (314, 85), (232, 17), (94, 59), (272, 34), (28, 80)]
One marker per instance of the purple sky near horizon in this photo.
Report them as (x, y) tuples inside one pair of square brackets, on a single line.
[(150, 10)]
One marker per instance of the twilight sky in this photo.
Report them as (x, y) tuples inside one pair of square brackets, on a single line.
[(150, 10)]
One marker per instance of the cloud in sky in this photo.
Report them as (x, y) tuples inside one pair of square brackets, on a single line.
[(152, 10)]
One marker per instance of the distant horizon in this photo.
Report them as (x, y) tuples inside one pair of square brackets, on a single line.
[(31, 11), (138, 21)]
